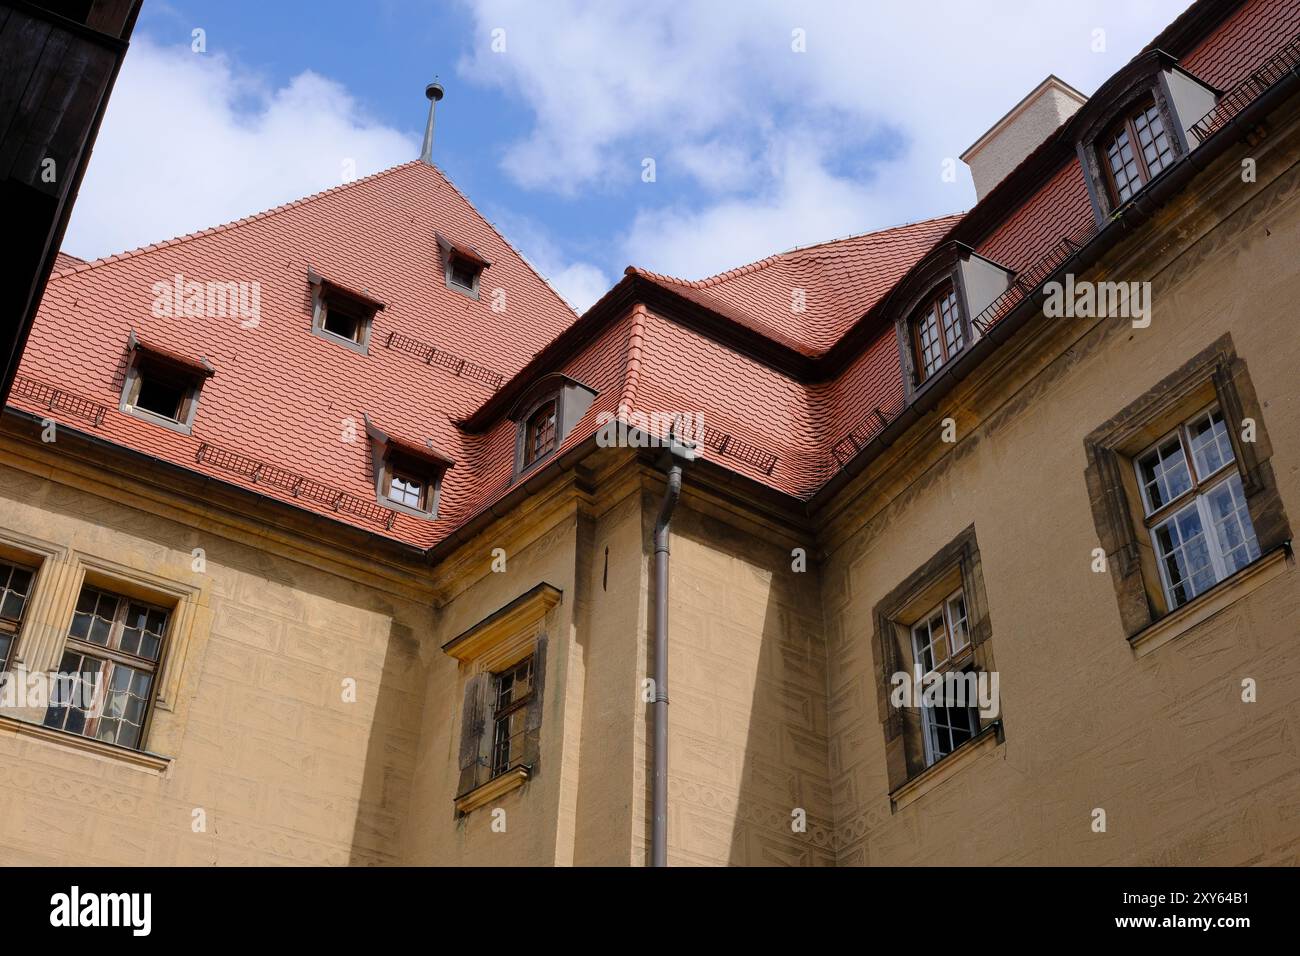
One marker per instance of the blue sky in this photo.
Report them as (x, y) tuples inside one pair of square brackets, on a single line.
[(770, 123)]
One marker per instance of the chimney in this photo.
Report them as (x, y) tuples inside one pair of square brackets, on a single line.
[(1020, 132), (434, 93)]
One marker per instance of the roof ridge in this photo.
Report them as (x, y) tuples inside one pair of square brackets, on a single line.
[(759, 264), (227, 226)]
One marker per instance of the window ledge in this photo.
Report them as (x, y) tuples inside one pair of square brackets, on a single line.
[(1204, 606), (150, 762), (185, 428), (988, 739), (496, 787)]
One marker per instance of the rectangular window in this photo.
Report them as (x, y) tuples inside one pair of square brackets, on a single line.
[(338, 321), (1183, 493), (161, 391), (513, 690), (1195, 507), (110, 662), (938, 638), (15, 589), (937, 334), (463, 273), (1138, 148), (540, 433), (407, 490)]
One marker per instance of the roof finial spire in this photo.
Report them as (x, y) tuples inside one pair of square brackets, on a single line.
[(434, 93)]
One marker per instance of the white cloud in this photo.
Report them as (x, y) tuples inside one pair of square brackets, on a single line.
[(804, 204), (578, 283), (190, 141), (902, 87)]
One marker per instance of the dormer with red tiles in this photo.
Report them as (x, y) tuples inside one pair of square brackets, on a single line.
[(162, 386), (407, 474), (340, 314), (462, 265), (1136, 125), (933, 309)]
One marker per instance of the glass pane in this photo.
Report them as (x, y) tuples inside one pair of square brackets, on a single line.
[(1164, 474), (11, 607), (1185, 555), (1232, 525), (99, 631), (130, 641), (20, 581), (80, 625), (1211, 446), (957, 617)]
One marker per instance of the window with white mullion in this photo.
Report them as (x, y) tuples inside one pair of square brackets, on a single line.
[(938, 638), (1195, 507)]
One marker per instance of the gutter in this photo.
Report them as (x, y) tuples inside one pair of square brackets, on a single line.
[(1134, 215)]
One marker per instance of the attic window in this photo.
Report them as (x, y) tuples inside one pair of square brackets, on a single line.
[(937, 334), (463, 274), (1135, 126), (162, 387), (407, 483), (408, 475), (341, 315), (1136, 149), (540, 432), (337, 320), (462, 264)]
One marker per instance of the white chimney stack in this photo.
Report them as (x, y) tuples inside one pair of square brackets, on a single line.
[(1020, 132)]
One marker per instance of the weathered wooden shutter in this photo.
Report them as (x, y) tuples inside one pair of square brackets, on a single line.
[(533, 718), (473, 724)]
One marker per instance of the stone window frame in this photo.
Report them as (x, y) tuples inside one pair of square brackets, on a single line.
[(1214, 375), (956, 564), (61, 574), (498, 643)]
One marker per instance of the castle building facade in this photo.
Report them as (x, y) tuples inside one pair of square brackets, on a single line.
[(350, 543)]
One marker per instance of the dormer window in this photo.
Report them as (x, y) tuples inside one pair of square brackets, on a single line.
[(162, 386), (1135, 126), (407, 474), (463, 265), (338, 320), (936, 331), (1137, 148), (342, 315), (539, 440), (935, 309), (545, 414), (463, 274), (404, 485)]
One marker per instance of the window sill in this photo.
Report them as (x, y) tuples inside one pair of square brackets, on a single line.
[(1204, 606), (150, 762), (988, 739), (185, 428), (496, 787), (361, 348)]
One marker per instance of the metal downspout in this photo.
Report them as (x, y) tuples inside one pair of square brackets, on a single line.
[(659, 796)]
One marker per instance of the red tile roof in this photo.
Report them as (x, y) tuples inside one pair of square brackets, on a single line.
[(63, 261), (284, 413)]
